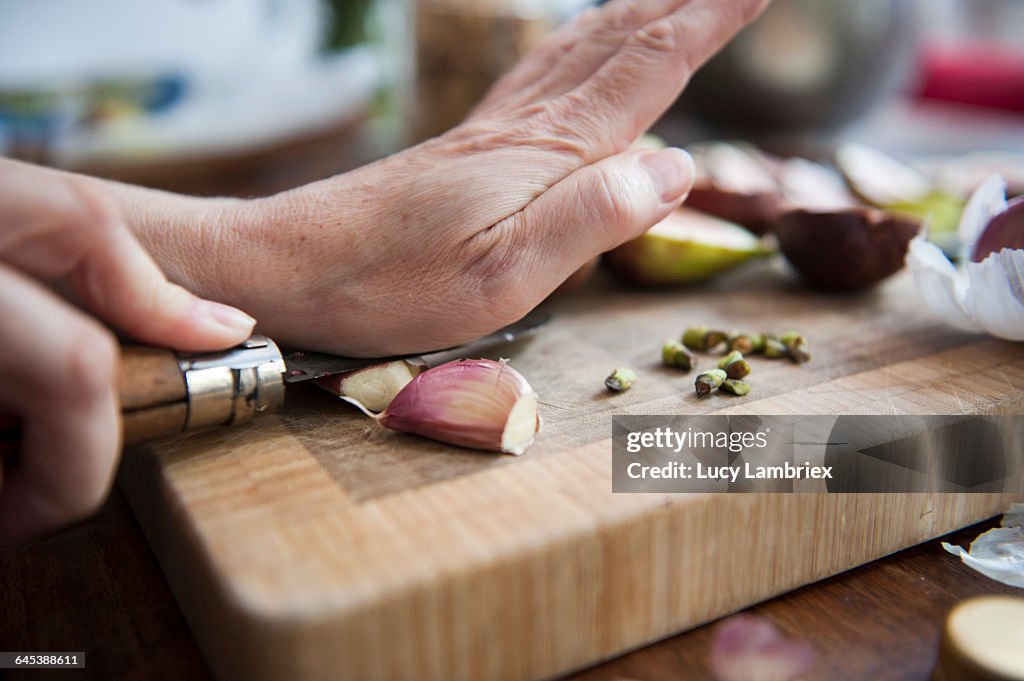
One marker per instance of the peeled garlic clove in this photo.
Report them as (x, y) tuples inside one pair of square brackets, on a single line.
[(372, 388), (475, 403), (685, 247)]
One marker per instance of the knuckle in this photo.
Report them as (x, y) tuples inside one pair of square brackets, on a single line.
[(751, 9), (662, 37), (91, 210), (553, 126), (502, 260), (623, 15), (607, 202)]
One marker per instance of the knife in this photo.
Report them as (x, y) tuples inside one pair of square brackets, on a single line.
[(164, 392)]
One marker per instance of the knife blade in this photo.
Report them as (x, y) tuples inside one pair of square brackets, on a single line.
[(303, 365), (163, 393)]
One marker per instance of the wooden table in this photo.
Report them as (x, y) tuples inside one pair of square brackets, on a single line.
[(97, 588)]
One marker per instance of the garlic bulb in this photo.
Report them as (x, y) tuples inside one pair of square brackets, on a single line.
[(978, 296)]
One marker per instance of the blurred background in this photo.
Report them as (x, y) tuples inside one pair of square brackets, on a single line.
[(253, 96)]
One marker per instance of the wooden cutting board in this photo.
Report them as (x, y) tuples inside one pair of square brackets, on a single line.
[(311, 544)]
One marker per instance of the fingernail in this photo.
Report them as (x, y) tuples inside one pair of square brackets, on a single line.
[(227, 316), (673, 172)]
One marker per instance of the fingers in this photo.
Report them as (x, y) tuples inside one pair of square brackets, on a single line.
[(539, 61), (635, 86), (56, 226), (592, 211), (595, 43), (58, 376)]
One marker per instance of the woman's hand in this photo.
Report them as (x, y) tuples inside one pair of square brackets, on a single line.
[(467, 232), (58, 368)]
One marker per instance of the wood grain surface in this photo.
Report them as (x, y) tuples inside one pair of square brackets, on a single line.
[(96, 588), (311, 544)]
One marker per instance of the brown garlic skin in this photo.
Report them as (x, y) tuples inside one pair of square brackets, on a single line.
[(845, 250)]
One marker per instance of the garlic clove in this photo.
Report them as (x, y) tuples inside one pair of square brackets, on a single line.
[(1005, 230), (371, 389), (480, 404)]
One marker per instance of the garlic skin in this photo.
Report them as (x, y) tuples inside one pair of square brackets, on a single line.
[(998, 553), (475, 403), (978, 296)]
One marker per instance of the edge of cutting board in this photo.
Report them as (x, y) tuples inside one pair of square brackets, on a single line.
[(519, 571), (566, 602)]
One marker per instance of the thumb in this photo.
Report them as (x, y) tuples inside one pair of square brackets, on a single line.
[(122, 284), (601, 206), (55, 226)]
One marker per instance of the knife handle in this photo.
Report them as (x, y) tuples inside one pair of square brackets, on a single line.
[(163, 393), (154, 396)]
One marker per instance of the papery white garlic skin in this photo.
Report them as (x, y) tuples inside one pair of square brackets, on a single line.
[(480, 404), (985, 296), (988, 201), (998, 553), (979, 296), (941, 285)]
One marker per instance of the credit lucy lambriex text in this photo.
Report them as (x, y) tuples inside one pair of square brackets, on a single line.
[(699, 471)]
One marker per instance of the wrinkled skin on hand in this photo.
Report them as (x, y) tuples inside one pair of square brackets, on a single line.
[(458, 236)]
